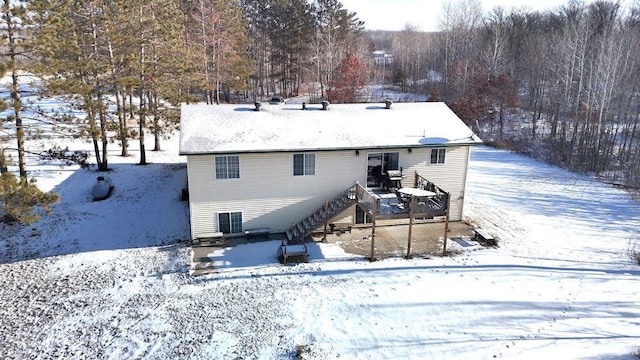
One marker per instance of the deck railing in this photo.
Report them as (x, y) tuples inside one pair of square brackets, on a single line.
[(319, 217), (365, 197), (370, 203), (438, 202)]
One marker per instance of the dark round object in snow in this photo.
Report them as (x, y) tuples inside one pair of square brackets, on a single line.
[(102, 188), (276, 100)]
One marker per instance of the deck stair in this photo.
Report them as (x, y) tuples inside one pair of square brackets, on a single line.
[(367, 201), (299, 231)]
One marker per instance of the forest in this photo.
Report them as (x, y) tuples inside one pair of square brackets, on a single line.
[(561, 85)]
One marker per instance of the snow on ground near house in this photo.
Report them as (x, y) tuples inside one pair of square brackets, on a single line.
[(110, 281), (381, 93), (143, 210), (263, 254)]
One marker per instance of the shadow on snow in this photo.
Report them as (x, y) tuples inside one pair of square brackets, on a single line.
[(144, 210)]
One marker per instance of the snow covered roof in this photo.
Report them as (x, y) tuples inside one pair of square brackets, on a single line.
[(237, 128)]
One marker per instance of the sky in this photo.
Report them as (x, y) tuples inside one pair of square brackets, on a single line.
[(425, 14)]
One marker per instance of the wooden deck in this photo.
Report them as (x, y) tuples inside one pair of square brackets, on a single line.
[(391, 240)]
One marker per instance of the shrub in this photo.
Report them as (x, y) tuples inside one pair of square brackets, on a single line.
[(20, 200), (67, 156)]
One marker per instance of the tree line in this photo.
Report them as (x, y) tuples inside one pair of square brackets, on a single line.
[(564, 80), (562, 84), (122, 67)]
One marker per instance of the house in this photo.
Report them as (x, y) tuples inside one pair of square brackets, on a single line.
[(290, 168), (380, 57)]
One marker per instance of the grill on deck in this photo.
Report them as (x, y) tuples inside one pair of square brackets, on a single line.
[(391, 179)]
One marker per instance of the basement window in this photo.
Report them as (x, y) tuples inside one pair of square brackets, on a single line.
[(304, 164), (437, 156), (230, 223)]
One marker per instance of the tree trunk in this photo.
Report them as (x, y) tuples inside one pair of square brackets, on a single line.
[(124, 129), (16, 102), (3, 162), (120, 104), (153, 100), (17, 107), (143, 109), (103, 136)]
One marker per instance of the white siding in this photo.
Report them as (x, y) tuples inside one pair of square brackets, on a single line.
[(268, 195), (450, 176)]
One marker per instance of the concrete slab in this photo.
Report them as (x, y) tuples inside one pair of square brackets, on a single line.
[(201, 263), (391, 241)]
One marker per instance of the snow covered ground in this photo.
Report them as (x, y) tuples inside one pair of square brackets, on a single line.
[(111, 279)]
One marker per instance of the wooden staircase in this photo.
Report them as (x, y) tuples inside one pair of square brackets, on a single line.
[(367, 201), (298, 232)]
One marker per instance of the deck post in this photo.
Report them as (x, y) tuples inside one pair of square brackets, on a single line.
[(326, 220), (376, 204), (446, 224), (411, 204)]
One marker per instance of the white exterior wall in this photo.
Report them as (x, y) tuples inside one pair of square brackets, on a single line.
[(269, 196), (450, 176)]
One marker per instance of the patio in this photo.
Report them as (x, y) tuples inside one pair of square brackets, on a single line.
[(391, 241)]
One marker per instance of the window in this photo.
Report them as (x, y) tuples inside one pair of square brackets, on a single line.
[(391, 161), (227, 167), (437, 156), (304, 164), (230, 223), (378, 163)]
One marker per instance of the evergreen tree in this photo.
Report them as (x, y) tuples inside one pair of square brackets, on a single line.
[(20, 200), (168, 68), (282, 33), (336, 31), (290, 30), (73, 62), (14, 18)]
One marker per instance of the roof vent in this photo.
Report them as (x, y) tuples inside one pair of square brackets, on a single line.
[(387, 104), (258, 105), (325, 105)]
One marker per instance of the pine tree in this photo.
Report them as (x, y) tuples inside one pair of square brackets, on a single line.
[(73, 63), (336, 31), (14, 18), (20, 201), (290, 30), (169, 67), (282, 33)]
